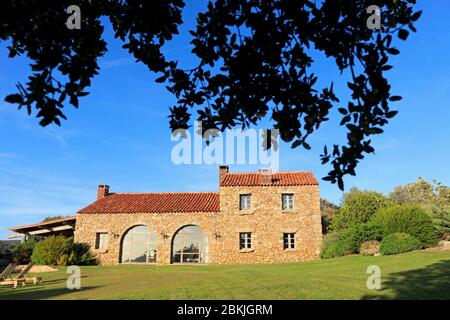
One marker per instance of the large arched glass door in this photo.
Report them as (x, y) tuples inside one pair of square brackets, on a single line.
[(190, 245), (139, 245)]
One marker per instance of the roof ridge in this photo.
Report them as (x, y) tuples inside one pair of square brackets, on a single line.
[(166, 192), (257, 172)]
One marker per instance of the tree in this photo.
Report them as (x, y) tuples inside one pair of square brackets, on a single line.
[(358, 207), (253, 60), (51, 218), (327, 211), (432, 196)]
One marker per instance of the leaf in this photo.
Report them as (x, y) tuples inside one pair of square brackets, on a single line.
[(161, 79), (373, 130), (403, 34), (391, 114), (295, 144), (343, 111), (14, 98), (395, 98), (306, 146), (393, 51)]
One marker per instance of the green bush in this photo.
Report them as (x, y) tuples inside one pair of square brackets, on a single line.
[(410, 219), (355, 235), (399, 242), (60, 250), (332, 247), (22, 253), (78, 254), (358, 207)]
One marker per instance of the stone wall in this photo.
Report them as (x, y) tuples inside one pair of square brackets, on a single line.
[(266, 220)]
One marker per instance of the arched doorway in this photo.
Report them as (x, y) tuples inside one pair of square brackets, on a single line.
[(190, 245), (138, 245)]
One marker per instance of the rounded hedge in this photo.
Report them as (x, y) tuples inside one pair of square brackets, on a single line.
[(355, 235), (399, 242), (61, 251), (407, 219), (358, 207)]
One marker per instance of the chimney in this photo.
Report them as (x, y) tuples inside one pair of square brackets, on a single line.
[(103, 191), (223, 170), (265, 176)]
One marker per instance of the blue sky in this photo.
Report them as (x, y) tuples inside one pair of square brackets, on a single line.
[(120, 135)]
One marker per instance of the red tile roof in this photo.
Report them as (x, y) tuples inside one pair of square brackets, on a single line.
[(155, 202), (298, 178)]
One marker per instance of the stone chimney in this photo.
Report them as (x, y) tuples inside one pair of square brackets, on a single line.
[(103, 191), (223, 170), (265, 176)]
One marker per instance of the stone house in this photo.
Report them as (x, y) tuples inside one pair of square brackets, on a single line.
[(258, 217)]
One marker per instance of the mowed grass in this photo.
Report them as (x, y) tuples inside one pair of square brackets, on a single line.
[(414, 275)]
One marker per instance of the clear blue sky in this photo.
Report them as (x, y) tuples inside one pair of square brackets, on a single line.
[(120, 135)]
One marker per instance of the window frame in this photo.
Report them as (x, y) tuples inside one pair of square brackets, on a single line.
[(283, 202), (245, 241), (248, 201), (98, 242), (289, 241)]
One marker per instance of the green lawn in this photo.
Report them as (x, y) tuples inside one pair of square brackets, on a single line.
[(415, 275)]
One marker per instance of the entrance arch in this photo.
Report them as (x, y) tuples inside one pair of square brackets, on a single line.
[(138, 245), (190, 245)]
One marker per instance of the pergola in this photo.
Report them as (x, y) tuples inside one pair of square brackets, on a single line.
[(64, 226)]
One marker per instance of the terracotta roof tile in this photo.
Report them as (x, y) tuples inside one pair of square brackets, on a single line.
[(155, 202), (298, 178)]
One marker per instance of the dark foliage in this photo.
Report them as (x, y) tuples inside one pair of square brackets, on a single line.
[(22, 253), (254, 60)]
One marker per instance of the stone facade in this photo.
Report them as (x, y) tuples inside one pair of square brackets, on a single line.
[(266, 220)]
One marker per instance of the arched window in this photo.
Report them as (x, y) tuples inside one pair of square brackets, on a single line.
[(139, 245), (190, 245)]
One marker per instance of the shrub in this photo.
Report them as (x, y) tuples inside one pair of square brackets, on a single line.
[(78, 254), (59, 250), (22, 253), (332, 247), (358, 207), (410, 219), (399, 242), (370, 248), (49, 250), (354, 235)]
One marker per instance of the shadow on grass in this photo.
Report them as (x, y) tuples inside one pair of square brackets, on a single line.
[(430, 282), (37, 292)]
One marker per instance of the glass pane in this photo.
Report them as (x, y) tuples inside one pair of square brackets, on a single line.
[(139, 248), (187, 245), (139, 245), (190, 258)]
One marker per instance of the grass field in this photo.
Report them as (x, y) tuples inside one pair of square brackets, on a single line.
[(415, 275)]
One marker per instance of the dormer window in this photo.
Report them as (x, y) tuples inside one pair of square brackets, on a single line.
[(287, 200), (245, 201)]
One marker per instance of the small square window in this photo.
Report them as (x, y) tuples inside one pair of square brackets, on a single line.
[(245, 201), (288, 241), (245, 240), (287, 200), (101, 240)]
